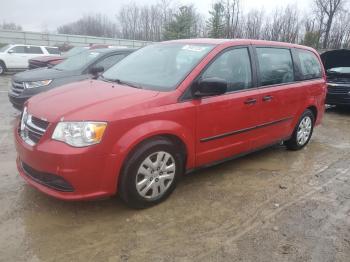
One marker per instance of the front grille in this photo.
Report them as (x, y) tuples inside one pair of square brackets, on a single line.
[(50, 180), (338, 79), (338, 89), (43, 124), (17, 87), (32, 128)]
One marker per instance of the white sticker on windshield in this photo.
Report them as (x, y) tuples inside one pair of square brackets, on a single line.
[(193, 48)]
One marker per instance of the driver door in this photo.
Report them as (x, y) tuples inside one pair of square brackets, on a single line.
[(225, 123)]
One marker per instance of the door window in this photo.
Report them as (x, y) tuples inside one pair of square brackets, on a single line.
[(234, 67), (275, 66), (19, 49), (310, 67), (109, 61), (34, 50)]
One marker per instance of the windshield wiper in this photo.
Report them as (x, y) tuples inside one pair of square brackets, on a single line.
[(120, 82)]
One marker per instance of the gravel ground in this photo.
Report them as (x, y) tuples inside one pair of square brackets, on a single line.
[(273, 205)]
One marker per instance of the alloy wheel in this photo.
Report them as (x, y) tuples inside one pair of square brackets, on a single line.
[(304, 130)]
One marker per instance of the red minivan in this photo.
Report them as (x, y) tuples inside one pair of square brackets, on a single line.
[(165, 110)]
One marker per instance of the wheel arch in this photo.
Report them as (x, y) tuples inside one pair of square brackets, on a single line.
[(144, 132), (314, 111)]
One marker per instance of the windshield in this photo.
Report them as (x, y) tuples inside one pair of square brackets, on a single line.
[(75, 50), (339, 70), (77, 61), (158, 67), (4, 48)]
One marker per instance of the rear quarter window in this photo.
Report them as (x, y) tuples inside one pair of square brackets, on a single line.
[(310, 67)]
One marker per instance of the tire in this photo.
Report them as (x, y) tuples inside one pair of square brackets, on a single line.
[(156, 180), (2, 68), (304, 128)]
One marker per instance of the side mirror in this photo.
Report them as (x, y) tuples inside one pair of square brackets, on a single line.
[(210, 87), (95, 71), (10, 51)]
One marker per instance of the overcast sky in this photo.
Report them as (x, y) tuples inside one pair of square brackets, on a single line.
[(39, 15)]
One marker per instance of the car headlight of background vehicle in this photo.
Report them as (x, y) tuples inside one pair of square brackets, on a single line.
[(37, 84), (79, 134)]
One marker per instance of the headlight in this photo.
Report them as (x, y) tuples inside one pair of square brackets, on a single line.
[(79, 134), (37, 83)]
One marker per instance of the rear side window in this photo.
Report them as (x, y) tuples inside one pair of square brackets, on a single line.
[(234, 67), (310, 67), (34, 50), (109, 61), (275, 66), (19, 49), (53, 51)]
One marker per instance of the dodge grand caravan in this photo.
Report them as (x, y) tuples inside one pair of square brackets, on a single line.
[(167, 109)]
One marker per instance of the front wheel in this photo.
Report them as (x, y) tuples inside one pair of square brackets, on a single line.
[(302, 132), (150, 174)]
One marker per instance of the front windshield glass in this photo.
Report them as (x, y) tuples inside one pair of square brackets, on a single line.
[(78, 61), (158, 67), (75, 50), (4, 48), (340, 70)]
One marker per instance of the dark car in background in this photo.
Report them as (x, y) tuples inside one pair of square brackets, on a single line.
[(50, 61), (337, 65), (76, 68)]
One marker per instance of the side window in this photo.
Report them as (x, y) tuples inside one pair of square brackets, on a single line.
[(275, 66), (310, 67), (234, 67), (34, 50), (18, 49), (53, 50), (110, 61)]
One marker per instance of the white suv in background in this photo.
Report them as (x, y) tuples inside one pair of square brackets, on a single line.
[(15, 57)]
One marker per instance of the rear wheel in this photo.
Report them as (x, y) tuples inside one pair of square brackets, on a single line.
[(150, 173), (302, 132), (2, 68)]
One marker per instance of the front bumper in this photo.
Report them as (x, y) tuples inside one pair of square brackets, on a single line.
[(50, 166), (17, 101)]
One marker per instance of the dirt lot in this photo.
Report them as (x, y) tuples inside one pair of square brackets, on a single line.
[(274, 205)]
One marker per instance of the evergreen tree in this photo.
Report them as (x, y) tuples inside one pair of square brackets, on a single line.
[(215, 24), (183, 25)]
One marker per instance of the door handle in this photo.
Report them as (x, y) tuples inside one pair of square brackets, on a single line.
[(250, 101), (267, 98)]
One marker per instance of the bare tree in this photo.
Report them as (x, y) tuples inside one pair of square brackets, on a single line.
[(253, 24), (10, 26), (93, 25), (328, 9)]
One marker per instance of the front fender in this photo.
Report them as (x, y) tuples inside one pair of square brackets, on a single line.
[(147, 130)]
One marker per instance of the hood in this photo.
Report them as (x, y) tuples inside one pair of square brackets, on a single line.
[(88, 100), (336, 58), (42, 74), (47, 58)]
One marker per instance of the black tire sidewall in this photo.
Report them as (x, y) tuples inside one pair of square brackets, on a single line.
[(2, 65), (127, 186)]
